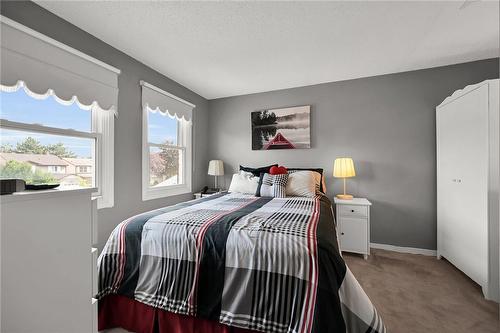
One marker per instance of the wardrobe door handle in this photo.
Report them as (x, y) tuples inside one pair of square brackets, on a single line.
[(341, 233)]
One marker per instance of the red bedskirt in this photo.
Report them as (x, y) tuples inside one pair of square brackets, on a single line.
[(120, 311)]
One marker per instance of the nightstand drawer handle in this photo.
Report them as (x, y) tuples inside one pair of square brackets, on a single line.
[(352, 210), (341, 233)]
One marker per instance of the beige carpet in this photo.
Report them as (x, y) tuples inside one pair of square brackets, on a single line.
[(416, 293)]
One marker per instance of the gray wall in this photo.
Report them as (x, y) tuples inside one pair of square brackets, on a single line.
[(385, 123), (128, 197)]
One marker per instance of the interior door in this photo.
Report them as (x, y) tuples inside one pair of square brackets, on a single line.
[(462, 136)]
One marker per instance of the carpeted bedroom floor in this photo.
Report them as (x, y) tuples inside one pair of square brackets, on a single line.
[(420, 294), (416, 293)]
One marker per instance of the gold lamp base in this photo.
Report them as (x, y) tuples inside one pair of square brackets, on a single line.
[(344, 196)]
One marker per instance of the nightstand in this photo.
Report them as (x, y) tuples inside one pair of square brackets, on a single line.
[(353, 225)]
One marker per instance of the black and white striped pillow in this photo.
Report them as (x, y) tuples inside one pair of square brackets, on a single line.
[(272, 185)]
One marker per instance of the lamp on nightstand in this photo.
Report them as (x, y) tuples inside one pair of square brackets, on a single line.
[(344, 168), (216, 168)]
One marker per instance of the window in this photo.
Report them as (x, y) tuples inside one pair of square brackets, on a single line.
[(60, 169), (83, 169), (168, 155), (165, 155), (57, 113), (44, 136), (166, 147), (43, 141)]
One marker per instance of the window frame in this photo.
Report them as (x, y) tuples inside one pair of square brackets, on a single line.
[(102, 130), (184, 143), (103, 123), (36, 128)]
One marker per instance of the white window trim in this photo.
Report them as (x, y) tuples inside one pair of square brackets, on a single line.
[(150, 193), (103, 123)]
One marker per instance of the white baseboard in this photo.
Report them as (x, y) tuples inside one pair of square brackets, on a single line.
[(403, 249)]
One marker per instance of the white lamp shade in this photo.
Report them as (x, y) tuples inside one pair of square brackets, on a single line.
[(216, 168), (343, 168)]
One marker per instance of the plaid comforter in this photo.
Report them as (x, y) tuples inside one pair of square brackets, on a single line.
[(270, 265)]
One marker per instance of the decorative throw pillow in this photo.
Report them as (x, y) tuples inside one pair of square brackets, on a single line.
[(321, 184), (257, 171), (277, 170), (272, 185), (303, 183), (244, 182)]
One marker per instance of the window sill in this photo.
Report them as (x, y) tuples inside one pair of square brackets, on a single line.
[(152, 193), (31, 195)]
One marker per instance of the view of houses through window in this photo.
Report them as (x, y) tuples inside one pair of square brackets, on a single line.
[(42, 158), (165, 154)]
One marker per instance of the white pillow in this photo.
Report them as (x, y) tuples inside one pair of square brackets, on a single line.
[(302, 183), (244, 182)]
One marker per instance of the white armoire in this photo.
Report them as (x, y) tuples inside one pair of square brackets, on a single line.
[(467, 130)]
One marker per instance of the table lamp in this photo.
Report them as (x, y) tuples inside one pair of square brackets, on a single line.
[(216, 168), (344, 168)]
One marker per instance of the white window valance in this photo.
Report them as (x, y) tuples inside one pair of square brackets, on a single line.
[(157, 99), (45, 67)]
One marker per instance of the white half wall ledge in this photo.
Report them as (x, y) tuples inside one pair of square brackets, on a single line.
[(404, 249)]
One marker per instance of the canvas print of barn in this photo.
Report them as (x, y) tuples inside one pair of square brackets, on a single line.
[(287, 128)]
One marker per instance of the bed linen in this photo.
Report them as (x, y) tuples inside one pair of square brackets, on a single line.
[(258, 263), (120, 311)]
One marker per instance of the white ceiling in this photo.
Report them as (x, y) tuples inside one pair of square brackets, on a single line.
[(220, 49)]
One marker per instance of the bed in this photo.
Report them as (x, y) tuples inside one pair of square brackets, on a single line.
[(232, 262)]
